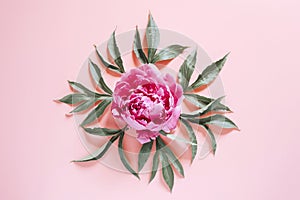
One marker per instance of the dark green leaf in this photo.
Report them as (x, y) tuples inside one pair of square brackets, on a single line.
[(73, 98), (102, 96), (96, 74), (94, 114), (105, 63), (153, 37), (170, 155), (102, 131), (163, 133), (123, 157), (138, 49), (84, 106), (114, 51), (167, 171), (168, 53), (209, 74), (212, 106), (144, 154), (100, 152), (192, 137), (218, 120), (212, 138), (201, 101), (155, 163), (80, 88), (186, 70)]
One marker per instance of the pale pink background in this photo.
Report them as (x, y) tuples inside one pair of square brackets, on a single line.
[(44, 43)]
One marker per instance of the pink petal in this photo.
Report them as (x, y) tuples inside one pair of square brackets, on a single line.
[(145, 136)]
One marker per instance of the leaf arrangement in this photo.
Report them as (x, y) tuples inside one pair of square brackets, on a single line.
[(210, 112), (153, 39), (208, 107)]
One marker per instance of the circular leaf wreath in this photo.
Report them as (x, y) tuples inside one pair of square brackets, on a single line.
[(150, 102)]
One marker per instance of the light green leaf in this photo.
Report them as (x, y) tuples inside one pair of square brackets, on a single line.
[(144, 154), (94, 114), (218, 120), (209, 74), (167, 171), (215, 105), (114, 51), (102, 131), (100, 152), (212, 138), (123, 157), (174, 137), (197, 100), (152, 36), (80, 88), (168, 53), (96, 74), (201, 101), (171, 156), (138, 49), (155, 163), (84, 106), (73, 98), (222, 121), (212, 106), (105, 63), (192, 137), (186, 70)]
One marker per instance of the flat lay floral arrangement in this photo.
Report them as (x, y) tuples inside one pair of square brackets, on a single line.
[(150, 102)]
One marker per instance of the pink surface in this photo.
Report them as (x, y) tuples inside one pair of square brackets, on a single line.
[(44, 43)]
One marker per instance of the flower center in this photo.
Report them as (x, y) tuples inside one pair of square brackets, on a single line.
[(149, 102)]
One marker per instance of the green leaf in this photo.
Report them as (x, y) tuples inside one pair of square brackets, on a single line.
[(209, 74), (100, 152), (73, 98), (96, 74), (212, 138), (94, 114), (192, 137), (186, 70), (80, 88), (167, 171), (170, 155), (212, 106), (155, 163), (217, 119), (197, 100), (138, 49), (152, 37), (102, 131), (123, 157), (144, 154), (201, 101), (168, 53), (105, 63), (174, 137), (84, 106), (215, 105), (114, 51), (222, 121)]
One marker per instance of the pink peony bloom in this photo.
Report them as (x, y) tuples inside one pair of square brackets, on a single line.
[(147, 101)]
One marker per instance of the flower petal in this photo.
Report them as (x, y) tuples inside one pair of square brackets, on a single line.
[(145, 136)]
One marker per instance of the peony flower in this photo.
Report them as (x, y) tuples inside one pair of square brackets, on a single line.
[(147, 101)]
